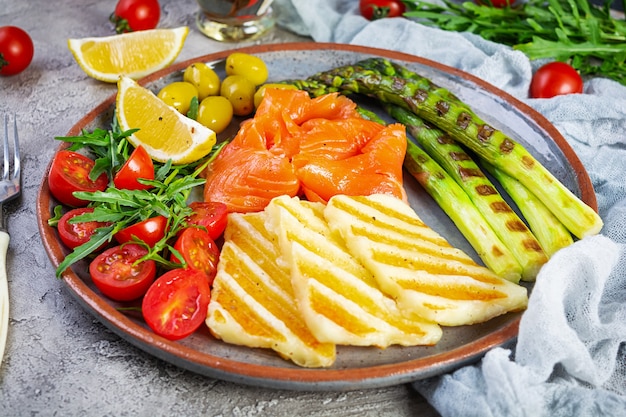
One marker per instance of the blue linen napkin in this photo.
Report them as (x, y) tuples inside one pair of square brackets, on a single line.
[(570, 357)]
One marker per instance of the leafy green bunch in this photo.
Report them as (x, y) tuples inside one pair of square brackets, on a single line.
[(168, 195), (591, 38)]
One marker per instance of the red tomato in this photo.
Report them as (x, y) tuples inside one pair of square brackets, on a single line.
[(176, 304), (554, 79), (210, 215), (377, 9), (16, 50), (116, 273), (133, 15), (69, 172), (150, 231), (138, 165), (199, 251), (75, 234)]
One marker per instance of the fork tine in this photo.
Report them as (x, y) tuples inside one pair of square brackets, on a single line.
[(5, 165), (16, 151)]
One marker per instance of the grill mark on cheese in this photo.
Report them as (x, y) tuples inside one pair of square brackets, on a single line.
[(263, 252), (383, 236), (256, 292), (428, 284), (344, 300), (243, 312), (335, 312), (390, 219), (428, 280), (266, 296), (434, 265), (332, 285)]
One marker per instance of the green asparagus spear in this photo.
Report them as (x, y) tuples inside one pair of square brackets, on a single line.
[(459, 207), (550, 232), (461, 123), (461, 167)]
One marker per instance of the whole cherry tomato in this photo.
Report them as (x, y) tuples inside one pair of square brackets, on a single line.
[(138, 165), (176, 303), (211, 215), (199, 251), (150, 231), (239, 90), (250, 66), (69, 172), (134, 15), (16, 50), (554, 79), (76, 234), (178, 94), (378, 9), (117, 274)]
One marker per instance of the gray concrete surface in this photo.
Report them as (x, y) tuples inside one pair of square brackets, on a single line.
[(60, 361)]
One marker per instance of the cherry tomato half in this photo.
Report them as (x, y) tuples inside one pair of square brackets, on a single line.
[(138, 165), (116, 273), (378, 9), (76, 234), (555, 78), (133, 15), (211, 215), (69, 172), (176, 303), (199, 251), (150, 231), (16, 50)]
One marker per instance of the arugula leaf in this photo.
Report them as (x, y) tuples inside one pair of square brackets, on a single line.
[(588, 36), (168, 196)]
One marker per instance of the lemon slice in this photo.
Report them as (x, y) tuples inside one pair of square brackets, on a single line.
[(163, 131), (134, 54)]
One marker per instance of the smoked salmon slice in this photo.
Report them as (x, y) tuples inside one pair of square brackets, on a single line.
[(298, 145), (376, 169)]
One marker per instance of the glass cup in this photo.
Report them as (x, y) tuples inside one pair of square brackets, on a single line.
[(234, 20)]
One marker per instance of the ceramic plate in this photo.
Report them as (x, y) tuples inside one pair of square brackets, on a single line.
[(356, 367)]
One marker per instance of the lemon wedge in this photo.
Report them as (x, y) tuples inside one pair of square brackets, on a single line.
[(163, 131), (133, 54)]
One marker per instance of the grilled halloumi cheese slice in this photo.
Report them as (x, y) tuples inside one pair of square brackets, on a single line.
[(338, 298), (412, 263), (252, 300)]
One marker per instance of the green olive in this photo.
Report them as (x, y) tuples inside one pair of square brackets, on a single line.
[(250, 66), (178, 95), (215, 112), (258, 96), (240, 92), (204, 78)]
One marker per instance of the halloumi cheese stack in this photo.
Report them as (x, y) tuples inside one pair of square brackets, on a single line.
[(252, 300), (427, 276), (338, 298)]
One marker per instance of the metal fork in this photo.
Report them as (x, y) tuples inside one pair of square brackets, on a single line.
[(10, 188)]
